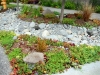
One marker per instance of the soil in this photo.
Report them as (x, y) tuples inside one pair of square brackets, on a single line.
[(40, 19), (3, 10), (79, 21)]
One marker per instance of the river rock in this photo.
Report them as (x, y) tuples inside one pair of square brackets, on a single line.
[(42, 25), (32, 24), (45, 33)]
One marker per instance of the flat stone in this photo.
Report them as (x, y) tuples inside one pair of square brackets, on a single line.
[(34, 57)]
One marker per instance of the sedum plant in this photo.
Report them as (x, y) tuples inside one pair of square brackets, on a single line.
[(6, 38), (55, 62), (85, 53)]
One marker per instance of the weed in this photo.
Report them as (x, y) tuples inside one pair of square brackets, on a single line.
[(87, 11)]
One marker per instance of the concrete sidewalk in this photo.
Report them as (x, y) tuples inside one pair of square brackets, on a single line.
[(66, 11), (87, 69)]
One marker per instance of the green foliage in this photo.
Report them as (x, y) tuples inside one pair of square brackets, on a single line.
[(15, 53), (56, 4), (97, 9), (33, 39), (89, 25), (11, 6), (46, 2), (68, 21), (56, 13), (50, 15), (85, 53), (54, 56), (54, 43), (6, 38), (18, 56), (25, 9), (24, 1), (30, 11), (70, 5)]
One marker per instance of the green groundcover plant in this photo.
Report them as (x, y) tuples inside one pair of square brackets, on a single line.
[(57, 59)]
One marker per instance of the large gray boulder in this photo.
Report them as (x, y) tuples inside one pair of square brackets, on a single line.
[(4, 63)]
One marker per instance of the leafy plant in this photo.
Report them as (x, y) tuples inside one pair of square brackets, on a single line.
[(56, 13), (68, 21), (70, 5), (26, 9), (11, 6), (97, 9), (87, 11)]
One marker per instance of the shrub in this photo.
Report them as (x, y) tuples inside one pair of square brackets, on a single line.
[(26, 9), (41, 45), (30, 12), (70, 5), (68, 21), (97, 9), (56, 13), (87, 11), (11, 6)]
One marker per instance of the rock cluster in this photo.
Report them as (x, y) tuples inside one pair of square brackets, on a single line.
[(68, 33)]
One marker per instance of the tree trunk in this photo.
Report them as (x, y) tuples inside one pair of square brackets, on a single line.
[(17, 4), (62, 11)]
